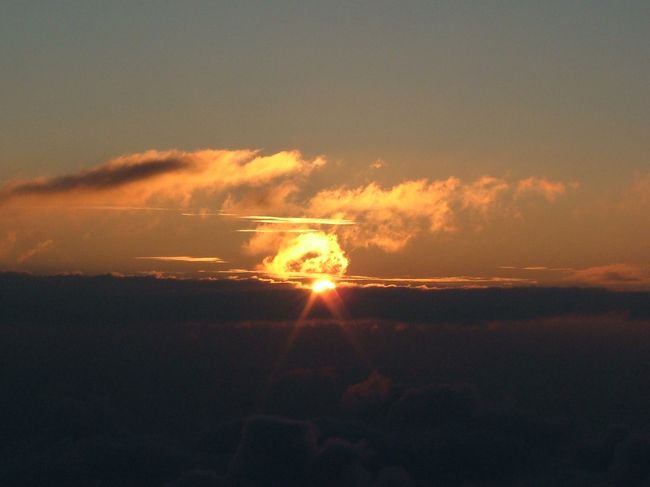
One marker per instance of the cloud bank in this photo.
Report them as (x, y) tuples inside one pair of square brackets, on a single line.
[(292, 223)]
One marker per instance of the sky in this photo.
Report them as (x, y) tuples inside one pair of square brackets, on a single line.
[(422, 143)]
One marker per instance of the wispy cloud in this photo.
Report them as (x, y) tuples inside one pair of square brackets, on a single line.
[(276, 230), (612, 275), (544, 187), (39, 248), (361, 280), (122, 208), (537, 268), (288, 220), (183, 258)]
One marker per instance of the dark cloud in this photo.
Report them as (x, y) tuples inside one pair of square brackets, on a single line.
[(105, 177), (434, 404), (367, 395), (393, 477), (109, 299), (199, 478), (138, 381), (304, 392), (340, 463), (273, 452)]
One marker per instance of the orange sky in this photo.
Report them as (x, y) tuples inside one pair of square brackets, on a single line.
[(224, 213), (433, 143)]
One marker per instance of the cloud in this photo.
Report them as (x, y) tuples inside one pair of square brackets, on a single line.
[(277, 220), (270, 193), (274, 452), (614, 275), (544, 187), (164, 175), (372, 392), (483, 193), (389, 218), (108, 299), (184, 258), (435, 404), (374, 216), (308, 253), (340, 462), (39, 248)]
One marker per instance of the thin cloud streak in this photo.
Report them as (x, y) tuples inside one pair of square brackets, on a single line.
[(360, 280), (183, 258), (298, 220), (537, 268), (277, 230)]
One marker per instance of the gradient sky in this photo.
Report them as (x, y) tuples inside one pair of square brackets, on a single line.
[(384, 91)]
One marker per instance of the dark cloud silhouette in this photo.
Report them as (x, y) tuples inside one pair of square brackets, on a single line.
[(140, 381), (304, 392), (199, 478), (104, 177), (273, 452), (110, 299), (434, 404), (340, 463), (367, 395)]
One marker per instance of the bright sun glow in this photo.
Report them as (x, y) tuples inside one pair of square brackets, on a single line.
[(322, 285), (315, 254)]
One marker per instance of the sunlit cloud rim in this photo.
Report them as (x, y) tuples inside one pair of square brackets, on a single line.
[(357, 279)]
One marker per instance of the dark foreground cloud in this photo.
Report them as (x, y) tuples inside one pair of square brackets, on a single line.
[(110, 299), (120, 381)]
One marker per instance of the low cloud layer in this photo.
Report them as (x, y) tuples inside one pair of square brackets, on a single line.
[(613, 275)]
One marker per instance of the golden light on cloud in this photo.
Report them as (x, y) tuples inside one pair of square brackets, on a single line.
[(315, 253), (298, 220), (296, 230), (322, 285), (183, 258)]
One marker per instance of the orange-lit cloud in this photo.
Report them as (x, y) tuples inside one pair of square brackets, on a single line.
[(184, 258), (612, 275), (276, 230), (316, 253), (389, 218), (544, 187), (295, 226), (298, 220), (162, 176), (39, 248), (483, 194)]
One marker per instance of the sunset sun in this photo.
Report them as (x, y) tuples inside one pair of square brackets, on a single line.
[(322, 286)]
